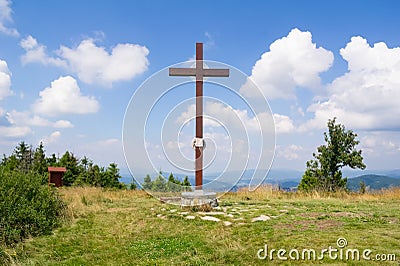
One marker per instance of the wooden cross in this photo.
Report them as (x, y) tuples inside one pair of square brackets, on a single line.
[(199, 72)]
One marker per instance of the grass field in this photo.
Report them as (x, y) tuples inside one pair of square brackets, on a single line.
[(132, 228)]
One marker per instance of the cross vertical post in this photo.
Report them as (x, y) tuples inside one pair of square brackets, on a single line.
[(199, 72), (199, 115)]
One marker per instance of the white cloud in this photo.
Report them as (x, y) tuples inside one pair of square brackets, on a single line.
[(290, 153), (238, 118), (93, 64), (367, 96), (5, 80), (53, 137), (26, 119), (62, 124), (5, 17), (378, 144), (64, 96), (290, 62), (14, 131), (283, 124), (9, 130), (35, 52)]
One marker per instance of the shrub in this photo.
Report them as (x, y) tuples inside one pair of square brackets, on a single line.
[(28, 208)]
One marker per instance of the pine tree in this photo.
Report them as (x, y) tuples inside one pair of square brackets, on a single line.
[(186, 184), (324, 173), (23, 153), (69, 161), (147, 183), (159, 184), (39, 160)]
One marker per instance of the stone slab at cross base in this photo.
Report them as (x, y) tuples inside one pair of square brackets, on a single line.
[(199, 197)]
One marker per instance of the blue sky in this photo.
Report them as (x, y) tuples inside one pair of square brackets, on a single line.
[(68, 70)]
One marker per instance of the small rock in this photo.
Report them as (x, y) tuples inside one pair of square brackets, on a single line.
[(174, 210), (227, 223), (160, 216), (211, 213), (190, 217), (261, 218), (210, 218)]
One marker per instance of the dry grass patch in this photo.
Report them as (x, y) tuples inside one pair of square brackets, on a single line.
[(272, 192)]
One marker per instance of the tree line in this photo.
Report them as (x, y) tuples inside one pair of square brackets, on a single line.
[(26, 159), (160, 184)]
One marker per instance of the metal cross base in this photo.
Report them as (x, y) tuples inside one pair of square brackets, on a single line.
[(199, 197)]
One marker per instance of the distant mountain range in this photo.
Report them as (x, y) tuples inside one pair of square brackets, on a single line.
[(287, 179), (373, 182)]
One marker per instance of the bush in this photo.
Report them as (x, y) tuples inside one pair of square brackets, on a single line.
[(28, 208)]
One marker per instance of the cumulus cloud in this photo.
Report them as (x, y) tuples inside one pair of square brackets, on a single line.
[(227, 116), (26, 119), (64, 97), (36, 53), (292, 61), (290, 152), (367, 96), (5, 80), (378, 143), (5, 17), (53, 137), (95, 65), (14, 131), (9, 130), (231, 117), (283, 124)]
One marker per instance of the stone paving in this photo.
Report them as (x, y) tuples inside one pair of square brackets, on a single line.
[(235, 214)]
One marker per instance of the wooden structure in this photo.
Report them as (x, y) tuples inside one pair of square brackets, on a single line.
[(199, 72), (56, 175)]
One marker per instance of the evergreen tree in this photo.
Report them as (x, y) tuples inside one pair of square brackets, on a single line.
[(324, 173), (186, 184), (133, 185), (147, 183), (52, 160), (69, 161), (23, 153), (39, 160), (159, 184), (174, 184), (111, 176), (363, 187)]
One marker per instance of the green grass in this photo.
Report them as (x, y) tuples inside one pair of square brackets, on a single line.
[(131, 228)]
